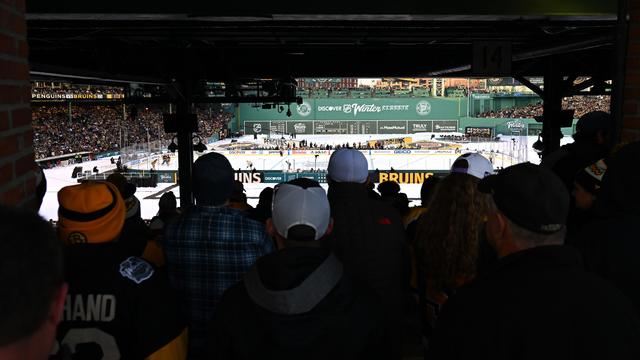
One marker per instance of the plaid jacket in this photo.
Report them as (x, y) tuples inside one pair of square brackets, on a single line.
[(208, 249)]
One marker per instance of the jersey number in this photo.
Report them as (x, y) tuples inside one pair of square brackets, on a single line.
[(91, 336)]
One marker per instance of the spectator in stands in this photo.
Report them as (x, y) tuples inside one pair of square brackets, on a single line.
[(586, 188), (537, 303), (390, 193), (369, 236), (135, 232), (238, 198), (210, 246), (118, 305), (592, 142), (41, 185), (448, 237), (610, 242), (167, 212), (427, 190), (298, 302), (263, 210), (33, 288)]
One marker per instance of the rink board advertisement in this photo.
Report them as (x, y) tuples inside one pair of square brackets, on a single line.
[(275, 177)]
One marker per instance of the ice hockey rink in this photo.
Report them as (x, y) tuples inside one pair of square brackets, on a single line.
[(509, 150)]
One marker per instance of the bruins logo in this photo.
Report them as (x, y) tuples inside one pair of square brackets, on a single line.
[(77, 238)]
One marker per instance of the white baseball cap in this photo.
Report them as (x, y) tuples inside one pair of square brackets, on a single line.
[(348, 165), (473, 164), (296, 205)]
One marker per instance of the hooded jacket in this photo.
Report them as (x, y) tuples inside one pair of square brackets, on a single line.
[(298, 304), (369, 239), (611, 242)]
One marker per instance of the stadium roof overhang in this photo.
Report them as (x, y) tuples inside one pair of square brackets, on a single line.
[(155, 41)]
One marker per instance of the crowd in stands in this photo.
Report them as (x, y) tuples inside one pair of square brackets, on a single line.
[(491, 265), (60, 129), (581, 105)]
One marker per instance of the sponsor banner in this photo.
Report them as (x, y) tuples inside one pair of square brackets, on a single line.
[(248, 177), (273, 177), (406, 176), (237, 152), (392, 127), (358, 109), (73, 96), (478, 131), (402, 151), (445, 126), (419, 126), (272, 152), (166, 178), (299, 127), (382, 151)]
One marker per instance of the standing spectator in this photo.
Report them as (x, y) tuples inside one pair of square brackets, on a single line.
[(610, 241), (298, 302), (263, 210), (210, 246), (369, 237), (118, 305), (448, 238), (537, 303), (167, 212), (32, 289), (592, 142)]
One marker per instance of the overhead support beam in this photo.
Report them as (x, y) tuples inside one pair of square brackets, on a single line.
[(531, 86)]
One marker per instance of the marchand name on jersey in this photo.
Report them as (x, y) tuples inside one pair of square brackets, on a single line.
[(93, 307)]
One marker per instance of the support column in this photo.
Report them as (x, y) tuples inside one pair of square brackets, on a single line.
[(552, 107), (185, 148)]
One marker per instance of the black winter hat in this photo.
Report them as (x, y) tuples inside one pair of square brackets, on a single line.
[(531, 196), (212, 179)]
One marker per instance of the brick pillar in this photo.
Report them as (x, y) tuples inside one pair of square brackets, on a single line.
[(17, 180), (631, 110)]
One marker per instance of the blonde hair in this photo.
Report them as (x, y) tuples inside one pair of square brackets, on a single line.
[(448, 233)]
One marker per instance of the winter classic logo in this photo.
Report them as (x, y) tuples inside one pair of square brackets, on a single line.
[(300, 128), (423, 108), (304, 109), (257, 128)]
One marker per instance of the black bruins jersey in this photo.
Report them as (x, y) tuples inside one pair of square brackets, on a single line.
[(118, 307)]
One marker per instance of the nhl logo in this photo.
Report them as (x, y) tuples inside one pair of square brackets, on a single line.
[(257, 128), (423, 108)]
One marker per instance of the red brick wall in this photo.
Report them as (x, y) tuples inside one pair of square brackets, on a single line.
[(631, 110), (17, 181)]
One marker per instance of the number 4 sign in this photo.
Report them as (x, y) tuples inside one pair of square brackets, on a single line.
[(491, 58)]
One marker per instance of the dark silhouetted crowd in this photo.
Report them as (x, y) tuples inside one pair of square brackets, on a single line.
[(531, 262)]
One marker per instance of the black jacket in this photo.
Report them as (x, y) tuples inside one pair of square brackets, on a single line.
[(571, 158), (370, 241), (118, 305), (611, 242), (537, 304), (298, 304)]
